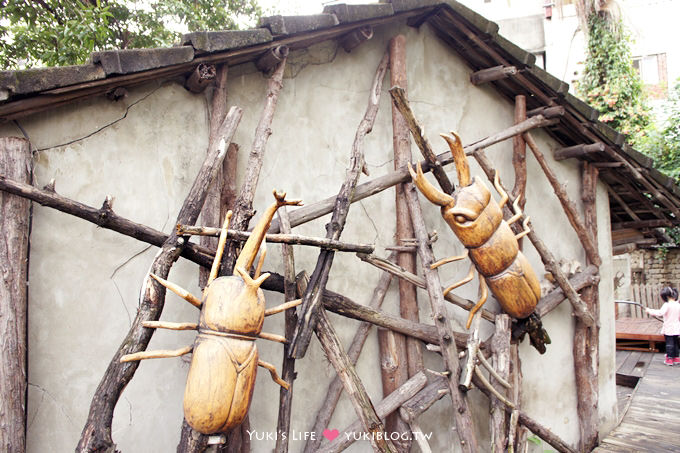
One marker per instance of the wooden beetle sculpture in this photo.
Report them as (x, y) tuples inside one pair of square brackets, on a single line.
[(225, 359), (477, 220)]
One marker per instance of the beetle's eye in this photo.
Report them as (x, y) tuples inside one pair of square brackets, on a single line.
[(460, 219)]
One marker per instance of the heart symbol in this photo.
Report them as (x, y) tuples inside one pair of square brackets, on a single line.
[(330, 434)]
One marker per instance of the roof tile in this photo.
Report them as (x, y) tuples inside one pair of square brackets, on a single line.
[(290, 25), (216, 41), (40, 79), (136, 60), (354, 13)]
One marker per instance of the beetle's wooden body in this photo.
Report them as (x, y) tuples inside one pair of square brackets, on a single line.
[(477, 220), (224, 363)]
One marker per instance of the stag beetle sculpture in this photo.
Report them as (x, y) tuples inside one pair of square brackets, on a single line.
[(477, 220), (225, 359)]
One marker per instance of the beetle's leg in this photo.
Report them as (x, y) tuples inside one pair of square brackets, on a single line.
[(480, 302), (263, 253), (170, 325), (450, 259), (275, 375), (526, 230), (282, 307), (272, 337), (468, 277), (159, 354), (181, 292), (220, 249), (500, 190), (517, 209), (249, 280)]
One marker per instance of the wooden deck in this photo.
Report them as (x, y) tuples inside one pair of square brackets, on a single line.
[(639, 334), (651, 412)]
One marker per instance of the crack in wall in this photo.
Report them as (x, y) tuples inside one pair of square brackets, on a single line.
[(59, 406)]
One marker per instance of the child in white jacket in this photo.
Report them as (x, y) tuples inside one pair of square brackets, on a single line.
[(670, 311)]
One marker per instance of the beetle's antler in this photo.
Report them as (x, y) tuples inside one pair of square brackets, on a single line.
[(462, 167), (433, 194), (247, 256)]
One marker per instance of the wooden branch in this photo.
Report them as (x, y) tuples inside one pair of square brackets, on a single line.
[(519, 156), (394, 373), (492, 74), (389, 404), (552, 300), (569, 208), (580, 310), (500, 347), (325, 412), (288, 367), (312, 297), (210, 214), (408, 298), (200, 78), (355, 390), (400, 272), (625, 248), (472, 347), (291, 239), (578, 151), (462, 415), (315, 210), (400, 101), (15, 212), (623, 204), (97, 431), (548, 112), (243, 206), (424, 399)]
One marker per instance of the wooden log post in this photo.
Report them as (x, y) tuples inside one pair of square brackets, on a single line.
[(325, 412), (395, 367), (500, 348), (288, 368), (210, 214), (462, 415), (519, 153), (96, 435), (15, 162), (492, 74), (311, 301), (578, 151), (586, 338)]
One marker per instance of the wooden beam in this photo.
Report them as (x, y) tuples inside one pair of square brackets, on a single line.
[(548, 112), (623, 204), (639, 224), (578, 151), (492, 74), (15, 162)]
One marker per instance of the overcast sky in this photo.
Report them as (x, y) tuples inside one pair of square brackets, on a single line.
[(302, 7)]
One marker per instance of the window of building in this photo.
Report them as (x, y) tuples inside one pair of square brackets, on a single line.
[(652, 70)]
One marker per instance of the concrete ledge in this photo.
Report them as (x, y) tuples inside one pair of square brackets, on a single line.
[(552, 82), (407, 5), (136, 60), (290, 25), (354, 13), (519, 54), (480, 22), (584, 109), (40, 79), (216, 41), (611, 134)]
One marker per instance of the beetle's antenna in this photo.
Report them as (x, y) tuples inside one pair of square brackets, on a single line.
[(181, 292), (220, 249), (260, 262), (247, 256)]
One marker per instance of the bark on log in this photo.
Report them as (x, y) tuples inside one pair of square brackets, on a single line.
[(492, 74), (589, 276), (568, 206), (288, 367), (212, 208), (408, 299), (580, 309), (389, 404), (578, 151), (377, 185), (312, 298), (325, 412), (519, 155), (394, 373), (586, 339), (279, 238), (96, 435), (462, 414), (15, 217), (500, 347)]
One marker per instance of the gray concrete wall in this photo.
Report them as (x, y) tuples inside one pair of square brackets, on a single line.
[(84, 281)]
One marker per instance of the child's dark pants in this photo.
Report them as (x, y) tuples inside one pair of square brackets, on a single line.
[(672, 346)]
